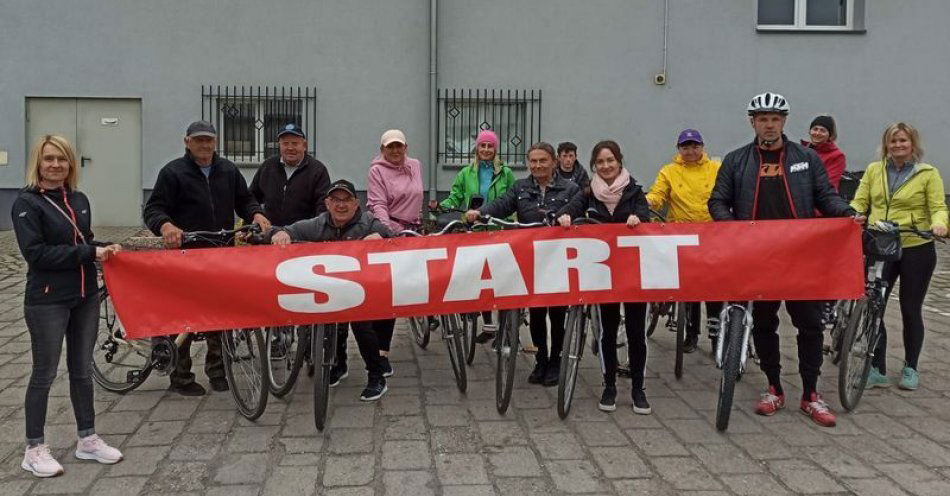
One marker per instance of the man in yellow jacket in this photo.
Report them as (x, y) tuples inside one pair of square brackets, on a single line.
[(685, 185)]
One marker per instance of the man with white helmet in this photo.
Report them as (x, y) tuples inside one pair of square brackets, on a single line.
[(775, 178)]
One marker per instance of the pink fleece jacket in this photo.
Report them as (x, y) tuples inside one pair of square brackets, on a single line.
[(394, 193)]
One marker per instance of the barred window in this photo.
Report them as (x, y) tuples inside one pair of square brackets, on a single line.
[(514, 115), (249, 118)]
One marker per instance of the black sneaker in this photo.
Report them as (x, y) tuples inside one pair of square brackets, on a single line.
[(219, 384), (387, 367), (537, 375), (691, 342), (485, 337), (375, 389), (190, 389), (337, 374), (640, 404), (433, 324), (608, 400), (553, 372)]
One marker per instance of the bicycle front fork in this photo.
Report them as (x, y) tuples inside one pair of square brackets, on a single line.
[(724, 328)]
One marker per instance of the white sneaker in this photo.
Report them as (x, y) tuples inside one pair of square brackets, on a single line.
[(94, 448), (40, 462)]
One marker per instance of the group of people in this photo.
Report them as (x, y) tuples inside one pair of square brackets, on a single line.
[(293, 199)]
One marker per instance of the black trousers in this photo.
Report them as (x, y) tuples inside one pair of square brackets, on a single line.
[(712, 311), (384, 332), (49, 325), (367, 340), (806, 317), (914, 269), (538, 323), (214, 362), (635, 327)]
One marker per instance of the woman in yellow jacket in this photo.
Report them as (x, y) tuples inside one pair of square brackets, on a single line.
[(685, 185), (902, 189)]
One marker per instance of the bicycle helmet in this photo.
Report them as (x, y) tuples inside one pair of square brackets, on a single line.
[(768, 102)]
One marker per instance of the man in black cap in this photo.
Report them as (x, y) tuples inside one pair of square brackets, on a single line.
[(345, 221), (200, 191), (291, 186)]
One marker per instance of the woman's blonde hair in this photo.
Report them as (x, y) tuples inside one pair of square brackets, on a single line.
[(36, 158), (918, 151)]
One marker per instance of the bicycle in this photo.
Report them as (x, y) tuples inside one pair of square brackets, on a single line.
[(733, 348), (509, 324), (287, 350), (859, 340), (323, 345), (121, 365), (453, 329)]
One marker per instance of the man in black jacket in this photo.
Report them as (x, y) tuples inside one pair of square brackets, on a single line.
[(345, 221), (568, 167), (292, 185), (774, 178), (200, 191)]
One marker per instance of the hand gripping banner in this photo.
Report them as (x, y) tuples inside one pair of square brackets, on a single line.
[(171, 291)]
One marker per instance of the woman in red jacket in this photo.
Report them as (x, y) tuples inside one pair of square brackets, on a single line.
[(823, 135)]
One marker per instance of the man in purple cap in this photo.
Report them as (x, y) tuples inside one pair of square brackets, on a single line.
[(684, 185)]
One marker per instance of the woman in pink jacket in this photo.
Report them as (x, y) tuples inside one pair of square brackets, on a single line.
[(394, 196)]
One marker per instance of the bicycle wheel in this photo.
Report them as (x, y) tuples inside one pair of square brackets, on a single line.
[(506, 348), (286, 347), (731, 358), (682, 320), (654, 311), (575, 334), (245, 367), (420, 331), (857, 351), (452, 334), (323, 350), (470, 325), (118, 365), (842, 314)]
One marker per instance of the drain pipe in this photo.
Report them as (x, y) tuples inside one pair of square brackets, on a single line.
[(433, 97)]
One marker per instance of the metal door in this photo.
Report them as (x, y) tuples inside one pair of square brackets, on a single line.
[(107, 134)]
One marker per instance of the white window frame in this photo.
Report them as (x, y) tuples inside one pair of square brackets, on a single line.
[(259, 108), (801, 17)]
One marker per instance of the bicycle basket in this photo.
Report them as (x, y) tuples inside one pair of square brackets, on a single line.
[(882, 245)]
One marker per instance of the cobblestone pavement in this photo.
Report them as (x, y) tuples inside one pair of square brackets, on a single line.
[(425, 437)]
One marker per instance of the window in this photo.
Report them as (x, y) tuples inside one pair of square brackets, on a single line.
[(514, 115), (811, 15), (248, 118)]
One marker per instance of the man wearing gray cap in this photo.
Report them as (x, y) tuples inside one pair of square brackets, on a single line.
[(200, 191)]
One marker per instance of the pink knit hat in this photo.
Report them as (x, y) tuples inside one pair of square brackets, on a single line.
[(488, 136)]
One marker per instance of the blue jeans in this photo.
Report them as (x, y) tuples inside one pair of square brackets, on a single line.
[(78, 322)]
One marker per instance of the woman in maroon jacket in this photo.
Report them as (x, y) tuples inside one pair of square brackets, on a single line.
[(823, 135)]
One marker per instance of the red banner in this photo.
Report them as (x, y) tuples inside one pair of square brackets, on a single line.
[(171, 291)]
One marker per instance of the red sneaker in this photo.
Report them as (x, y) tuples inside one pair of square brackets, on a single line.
[(770, 402), (818, 410)]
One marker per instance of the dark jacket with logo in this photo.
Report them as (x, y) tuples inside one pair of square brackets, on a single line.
[(60, 265), (287, 200), (524, 198), (632, 202), (806, 183), (193, 202), (321, 228)]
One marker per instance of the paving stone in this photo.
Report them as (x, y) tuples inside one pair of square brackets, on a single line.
[(408, 428), (754, 484), (173, 410), (557, 446), (408, 483), (839, 463), (916, 479), (349, 441), (348, 470), (403, 455), (353, 416), (874, 487), (804, 477), (456, 469), (179, 476), (242, 490), (447, 416), (295, 445), (696, 431), (513, 461), (455, 440), (925, 450), (523, 486), (292, 480), (156, 433), (762, 446), (351, 491), (468, 491), (251, 439), (196, 447), (118, 422), (242, 468), (139, 461), (117, 486), (140, 401), (401, 405), (601, 434), (211, 422), (725, 459), (575, 476), (656, 442), (79, 476), (506, 433), (685, 473), (652, 487)]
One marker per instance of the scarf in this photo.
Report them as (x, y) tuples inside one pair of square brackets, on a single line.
[(610, 194)]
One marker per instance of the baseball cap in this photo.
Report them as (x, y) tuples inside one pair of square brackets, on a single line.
[(201, 128), (292, 129), (342, 185), (393, 135), (689, 135)]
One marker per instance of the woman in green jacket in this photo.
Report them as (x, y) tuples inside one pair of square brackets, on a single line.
[(486, 177), (901, 189)]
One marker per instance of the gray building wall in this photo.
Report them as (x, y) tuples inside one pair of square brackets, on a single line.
[(594, 60)]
